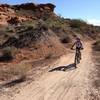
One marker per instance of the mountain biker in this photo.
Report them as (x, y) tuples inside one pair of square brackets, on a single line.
[(78, 46)]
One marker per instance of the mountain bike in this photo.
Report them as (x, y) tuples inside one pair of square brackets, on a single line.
[(77, 56)]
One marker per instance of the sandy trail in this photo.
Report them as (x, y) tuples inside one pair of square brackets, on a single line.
[(72, 84)]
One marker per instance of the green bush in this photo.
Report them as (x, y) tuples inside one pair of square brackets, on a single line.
[(77, 23), (54, 23), (30, 23), (8, 53)]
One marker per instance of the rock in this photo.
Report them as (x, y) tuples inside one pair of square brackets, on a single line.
[(32, 6), (13, 20), (48, 6)]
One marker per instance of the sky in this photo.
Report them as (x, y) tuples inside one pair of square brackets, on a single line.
[(87, 10)]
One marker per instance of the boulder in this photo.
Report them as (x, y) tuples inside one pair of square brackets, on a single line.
[(13, 21)]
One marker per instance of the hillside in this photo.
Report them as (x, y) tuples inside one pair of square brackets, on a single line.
[(24, 27)]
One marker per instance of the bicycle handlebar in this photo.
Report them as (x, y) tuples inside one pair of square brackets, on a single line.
[(75, 49)]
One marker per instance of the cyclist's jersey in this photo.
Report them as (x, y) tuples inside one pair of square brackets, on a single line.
[(79, 44)]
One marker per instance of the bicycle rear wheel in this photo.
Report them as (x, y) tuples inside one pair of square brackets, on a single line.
[(77, 57)]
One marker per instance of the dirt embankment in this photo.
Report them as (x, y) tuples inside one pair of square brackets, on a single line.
[(96, 72), (33, 42)]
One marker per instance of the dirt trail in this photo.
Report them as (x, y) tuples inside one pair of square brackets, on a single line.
[(71, 84)]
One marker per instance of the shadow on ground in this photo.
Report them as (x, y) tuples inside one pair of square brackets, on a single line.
[(13, 82), (5, 58), (63, 68)]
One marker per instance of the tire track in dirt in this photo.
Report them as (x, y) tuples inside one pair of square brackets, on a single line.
[(57, 86)]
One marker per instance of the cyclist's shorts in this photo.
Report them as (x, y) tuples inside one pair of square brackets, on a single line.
[(78, 48)]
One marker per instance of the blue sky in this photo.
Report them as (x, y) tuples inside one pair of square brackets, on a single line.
[(87, 10)]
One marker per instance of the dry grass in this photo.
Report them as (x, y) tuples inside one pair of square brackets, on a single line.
[(49, 56), (24, 71), (11, 72)]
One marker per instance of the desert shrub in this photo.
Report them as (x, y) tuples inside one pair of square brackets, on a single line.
[(8, 53), (77, 23), (14, 51), (11, 51), (48, 56), (53, 23), (30, 23), (65, 40), (42, 25), (22, 69), (9, 29), (18, 71), (96, 45)]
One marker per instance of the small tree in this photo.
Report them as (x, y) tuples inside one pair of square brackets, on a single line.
[(8, 53)]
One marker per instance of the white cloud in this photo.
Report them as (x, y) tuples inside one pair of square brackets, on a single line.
[(94, 21)]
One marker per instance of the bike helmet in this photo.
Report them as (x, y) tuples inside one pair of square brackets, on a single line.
[(78, 39)]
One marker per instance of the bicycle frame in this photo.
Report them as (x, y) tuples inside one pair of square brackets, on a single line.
[(77, 56)]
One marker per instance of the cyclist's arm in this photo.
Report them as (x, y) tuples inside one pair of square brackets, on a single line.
[(81, 45), (73, 45)]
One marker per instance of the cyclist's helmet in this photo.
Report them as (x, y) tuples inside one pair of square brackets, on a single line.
[(78, 39)]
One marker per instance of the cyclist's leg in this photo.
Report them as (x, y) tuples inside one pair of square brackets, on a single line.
[(75, 60), (78, 55), (75, 56)]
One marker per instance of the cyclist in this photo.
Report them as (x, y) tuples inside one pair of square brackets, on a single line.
[(78, 46)]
